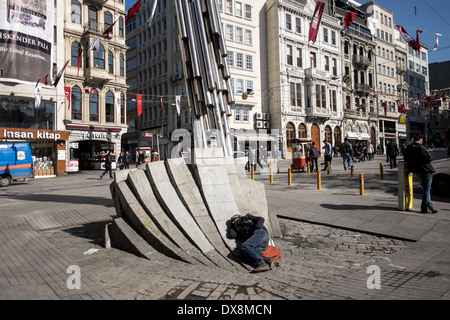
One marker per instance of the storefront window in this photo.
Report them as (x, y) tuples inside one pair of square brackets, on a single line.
[(43, 158), (20, 113)]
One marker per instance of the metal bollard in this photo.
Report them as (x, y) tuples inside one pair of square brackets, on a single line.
[(361, 184), (271, 173), (253, 173), (289, 176), (319, 180), (328, 168), (381, 171), (351, 170), (308, 169)]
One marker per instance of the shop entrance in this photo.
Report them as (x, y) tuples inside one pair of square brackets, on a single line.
[(90, 154)]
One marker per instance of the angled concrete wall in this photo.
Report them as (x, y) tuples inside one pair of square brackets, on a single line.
[(183, 211)]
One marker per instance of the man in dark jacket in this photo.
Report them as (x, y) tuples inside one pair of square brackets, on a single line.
[(392, 152), (108, 162), (418, 160), (255, 239)]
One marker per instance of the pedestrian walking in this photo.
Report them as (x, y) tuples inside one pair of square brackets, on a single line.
[(327, 154), (121, 161), (314, 153), (127, 160), (392, 152), (141, 158), (347, 153), (370, 151), (253, 238), (418, 160), (108, 162)]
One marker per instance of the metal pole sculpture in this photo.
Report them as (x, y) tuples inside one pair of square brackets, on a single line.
[(207, 75)]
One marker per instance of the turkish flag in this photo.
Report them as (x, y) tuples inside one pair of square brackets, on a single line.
[(411, 42), (67, 92), (315, 21), (139, 104), (58, 76), (348, 20), (133, 11)]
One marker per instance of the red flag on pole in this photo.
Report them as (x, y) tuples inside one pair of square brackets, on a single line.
[(139, 104), (80, 51), (403, 108), (315, 21), (348, 20), (58, 76), (384, 107), (46, 79), (417, 38), (133, 11), (67, 92), (160, 104)]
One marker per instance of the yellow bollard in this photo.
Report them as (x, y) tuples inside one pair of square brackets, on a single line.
[(308, 169), (319, 182), (271, 173), (381, 171), (253, 173), (351, 170), (289, 176), (328, 168), (361, 184)]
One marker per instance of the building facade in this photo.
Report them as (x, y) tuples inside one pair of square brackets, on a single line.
[(21, 119), (95, 80), (304, 92)]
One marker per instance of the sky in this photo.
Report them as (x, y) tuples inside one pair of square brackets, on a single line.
[(430, 16)]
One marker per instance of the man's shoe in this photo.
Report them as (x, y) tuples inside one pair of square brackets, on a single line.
[(101, 177), (270, 262), (261, 268), (432, 210)]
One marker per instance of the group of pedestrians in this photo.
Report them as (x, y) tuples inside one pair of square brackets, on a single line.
[(124, 161)]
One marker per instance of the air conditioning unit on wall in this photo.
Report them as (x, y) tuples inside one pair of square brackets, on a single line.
[(259, 116), (259, 124)]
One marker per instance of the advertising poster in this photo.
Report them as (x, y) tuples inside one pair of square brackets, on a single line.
[(26, 37)]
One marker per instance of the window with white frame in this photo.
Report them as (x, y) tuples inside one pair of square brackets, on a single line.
[(248, 37), (239, 60), (249, 86), (239, 86), (237, 114), (230, 58), (229, 6), (248, 11), (249, 62), (244, 115), (239, 35), (229, 32), (238, 9)]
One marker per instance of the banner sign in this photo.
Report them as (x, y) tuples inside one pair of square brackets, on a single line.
[(26, 38)]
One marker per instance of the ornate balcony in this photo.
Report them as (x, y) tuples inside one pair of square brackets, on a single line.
[(361, 62)]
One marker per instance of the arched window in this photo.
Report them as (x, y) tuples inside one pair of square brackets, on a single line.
[(109, 106), (99, 58), (315, 134), (110, 62), (76, 103), (92, 18), (302, 131), (76, 47), (121, 28), (122, 65), (337, 137), (93, 105), (328, 136), (76, 12), (290, 134), (108, 20)]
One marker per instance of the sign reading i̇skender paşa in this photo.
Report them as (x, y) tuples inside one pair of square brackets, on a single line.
[(26, 36)]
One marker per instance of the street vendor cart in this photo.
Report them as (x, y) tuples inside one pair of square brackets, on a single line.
[(300, 154)]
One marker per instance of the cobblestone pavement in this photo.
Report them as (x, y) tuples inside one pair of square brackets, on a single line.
[(313, 256)]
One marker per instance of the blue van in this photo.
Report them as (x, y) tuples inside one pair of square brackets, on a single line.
[(16, 162)]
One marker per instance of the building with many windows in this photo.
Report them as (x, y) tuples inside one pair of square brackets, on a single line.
[(304, 93), (95, 79)]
